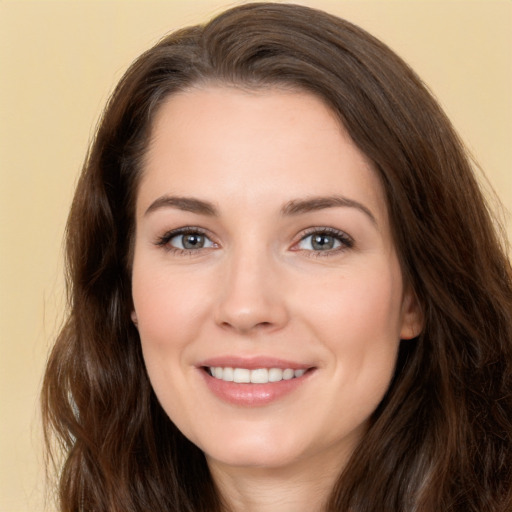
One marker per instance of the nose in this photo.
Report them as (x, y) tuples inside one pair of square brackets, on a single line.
[(251, 297)]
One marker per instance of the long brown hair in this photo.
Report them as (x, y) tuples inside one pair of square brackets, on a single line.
[(441, 438)]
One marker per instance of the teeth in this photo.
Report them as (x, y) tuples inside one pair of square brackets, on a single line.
[(258, 376), (227, 374), (275, 375), (241, 375), (288, 374)]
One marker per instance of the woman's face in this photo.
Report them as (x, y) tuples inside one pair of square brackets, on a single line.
[(263, 251)]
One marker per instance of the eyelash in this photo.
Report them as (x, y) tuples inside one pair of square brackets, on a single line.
[(163, 241), (346, 241)]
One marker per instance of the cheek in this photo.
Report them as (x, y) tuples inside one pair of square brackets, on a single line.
[(353, 304), (167, 311), (167, 305), (358, 319)]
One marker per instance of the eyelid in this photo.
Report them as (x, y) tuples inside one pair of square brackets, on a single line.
[(347, 242), (163, 240)]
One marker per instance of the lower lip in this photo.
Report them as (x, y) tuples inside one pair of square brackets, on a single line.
[(252, 395)]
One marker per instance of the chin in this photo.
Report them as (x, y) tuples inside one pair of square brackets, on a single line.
[(254, 459), (254, 451)]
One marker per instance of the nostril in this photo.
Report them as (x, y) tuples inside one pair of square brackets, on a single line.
[(245, 317), (243, 325)]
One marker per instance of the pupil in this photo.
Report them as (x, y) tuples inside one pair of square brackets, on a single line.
[(193, 241), (322, 242)]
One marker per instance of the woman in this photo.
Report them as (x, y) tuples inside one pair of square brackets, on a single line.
[(286, 291)]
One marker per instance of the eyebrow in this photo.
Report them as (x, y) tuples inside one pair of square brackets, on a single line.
[(311, 204), (188, 204), (291, 208)]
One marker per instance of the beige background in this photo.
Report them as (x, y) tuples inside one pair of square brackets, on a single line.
[(58, 62)]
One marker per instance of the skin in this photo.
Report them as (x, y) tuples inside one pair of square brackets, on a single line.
[(258, 287)]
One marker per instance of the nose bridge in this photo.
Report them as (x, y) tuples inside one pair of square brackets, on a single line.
[(250, 296)]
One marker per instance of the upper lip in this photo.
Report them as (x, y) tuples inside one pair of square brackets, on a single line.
[(253, 363)]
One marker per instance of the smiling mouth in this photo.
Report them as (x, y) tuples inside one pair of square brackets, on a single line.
[(256, 376)]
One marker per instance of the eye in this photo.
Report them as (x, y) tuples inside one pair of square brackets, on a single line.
[(323, 240), (190, 241), (185, 240)]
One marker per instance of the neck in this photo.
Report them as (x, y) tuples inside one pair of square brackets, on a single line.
[(302, 487)]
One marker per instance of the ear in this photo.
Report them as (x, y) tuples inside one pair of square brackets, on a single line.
[(412, 316), (134, 318)]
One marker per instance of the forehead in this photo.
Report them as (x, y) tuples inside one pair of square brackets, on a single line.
[(226, 143)]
